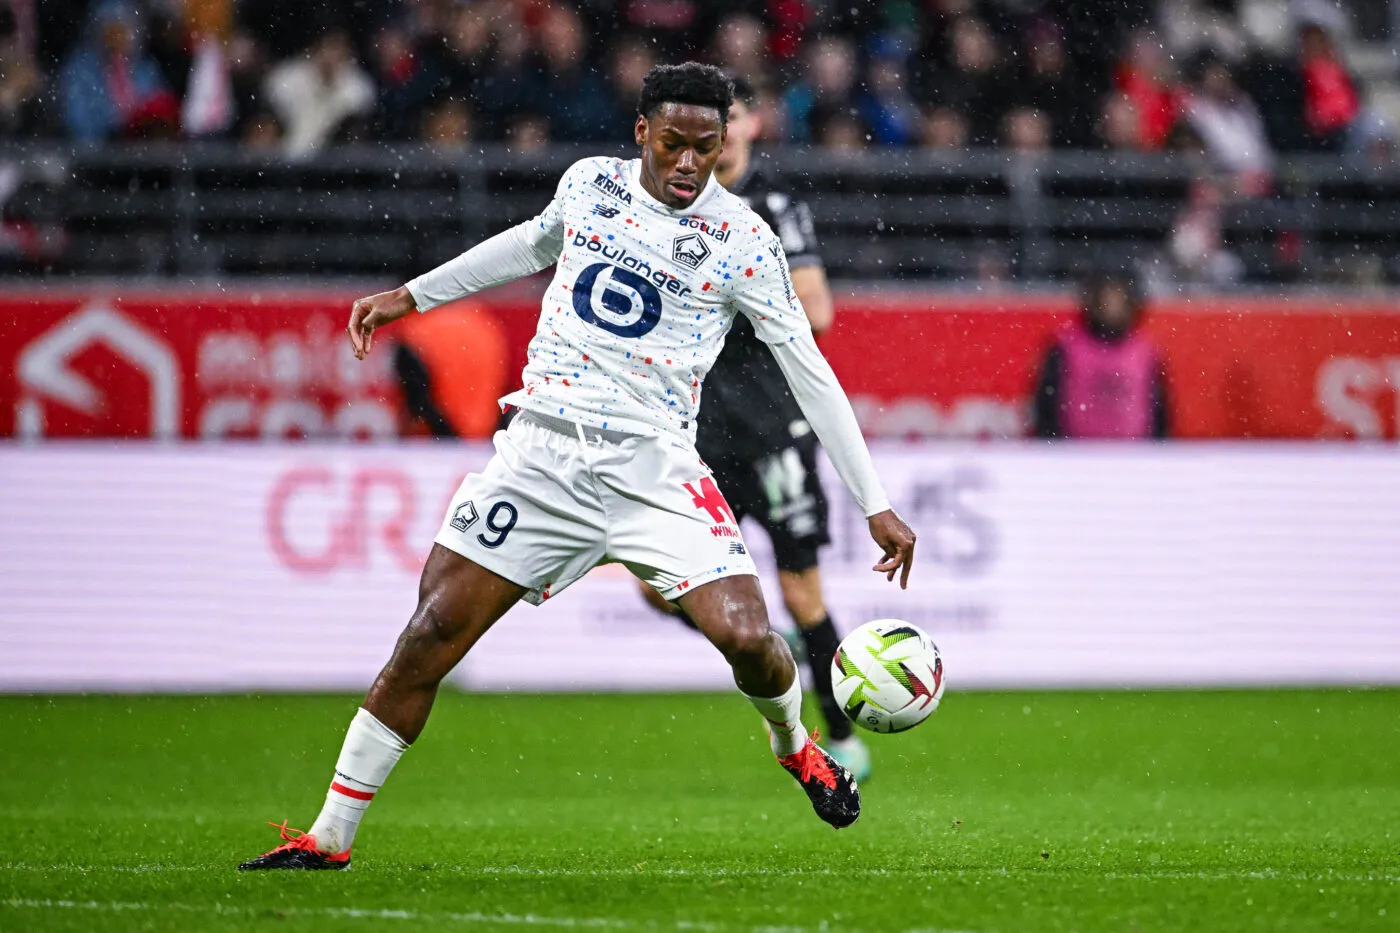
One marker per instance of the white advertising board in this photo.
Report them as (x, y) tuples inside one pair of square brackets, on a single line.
[(228, 567)]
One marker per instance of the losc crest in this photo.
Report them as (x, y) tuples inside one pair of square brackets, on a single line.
[(689, 250)]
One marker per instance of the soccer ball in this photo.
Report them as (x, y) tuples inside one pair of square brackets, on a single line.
[(887, 675)]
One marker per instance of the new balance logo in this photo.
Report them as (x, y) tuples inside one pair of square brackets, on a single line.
[(737, 547), (602, 210)]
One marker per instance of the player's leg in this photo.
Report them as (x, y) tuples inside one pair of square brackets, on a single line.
[(802, 595), (730, 612), (526, 526), (795, 517), (671, 526), (458, 600)]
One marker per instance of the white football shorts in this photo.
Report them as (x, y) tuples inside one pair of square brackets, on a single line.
[(557, 500)]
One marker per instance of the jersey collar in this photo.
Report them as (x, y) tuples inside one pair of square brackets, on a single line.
[(634, 181)]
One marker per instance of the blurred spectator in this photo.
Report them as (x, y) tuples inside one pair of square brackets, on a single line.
[(632, 58), (315, 94), (20, 81), (1103, 377), (1049, 85), (466, 49), (839, 129), (1334, 115), (673, 27), (1120, 124), (1331, 101), (1196, 244), (1143, 77), (944, 128), (827, 88), (577, 97), (892, 115), (1226, 119), (447, 126), (527, 132), (1025, 130), (209, 107), (974, 83), (741, 48), (935, 27), (111, 87), (247, 67), (1192, 27), (406, 80)]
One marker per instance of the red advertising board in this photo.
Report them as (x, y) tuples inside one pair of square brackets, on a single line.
[(254, 363), (1283, 367)]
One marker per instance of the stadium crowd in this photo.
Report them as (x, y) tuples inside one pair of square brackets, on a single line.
[(1240, 80)]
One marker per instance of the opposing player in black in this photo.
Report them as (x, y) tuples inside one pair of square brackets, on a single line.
[(752, 434)]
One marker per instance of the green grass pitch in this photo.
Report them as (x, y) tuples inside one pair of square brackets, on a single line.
[(1006, 813)]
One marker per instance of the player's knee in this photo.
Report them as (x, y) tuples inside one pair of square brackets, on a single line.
[(745, 637), (428, 630)]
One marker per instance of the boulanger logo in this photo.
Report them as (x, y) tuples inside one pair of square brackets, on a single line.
[(690, 250), (618, 301), (45, 373)]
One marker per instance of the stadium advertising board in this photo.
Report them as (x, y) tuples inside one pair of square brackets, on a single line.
[(293, 567), (275, 365)]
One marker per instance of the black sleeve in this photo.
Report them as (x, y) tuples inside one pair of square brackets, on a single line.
[(417, 395), (792, 222), (1161, 410), (1045, 407)]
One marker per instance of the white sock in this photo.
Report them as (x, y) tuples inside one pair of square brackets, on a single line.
[(784, 715), (370, 752)]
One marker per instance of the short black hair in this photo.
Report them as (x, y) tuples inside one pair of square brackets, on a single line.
[(688, 83)]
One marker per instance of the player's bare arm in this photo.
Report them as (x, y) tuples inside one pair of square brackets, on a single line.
[(368, 314)]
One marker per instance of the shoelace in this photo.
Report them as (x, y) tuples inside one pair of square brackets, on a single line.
[(812, 763), (302, 840)]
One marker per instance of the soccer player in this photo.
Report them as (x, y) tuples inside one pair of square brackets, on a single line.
[(653, 261), (752, 435)]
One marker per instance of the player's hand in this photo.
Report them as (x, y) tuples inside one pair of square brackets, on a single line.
[(896, 539), (376, 311)]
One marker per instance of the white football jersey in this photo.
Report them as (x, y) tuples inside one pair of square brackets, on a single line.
[(642, 298)]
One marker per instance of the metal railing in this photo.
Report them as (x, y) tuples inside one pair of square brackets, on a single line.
[(202, 213)]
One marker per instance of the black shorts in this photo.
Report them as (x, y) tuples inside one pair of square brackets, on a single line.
[(782, 492)]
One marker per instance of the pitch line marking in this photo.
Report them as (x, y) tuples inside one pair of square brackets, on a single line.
[(415, 916)]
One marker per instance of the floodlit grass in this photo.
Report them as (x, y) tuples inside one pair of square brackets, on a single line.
[(1011, 812)]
